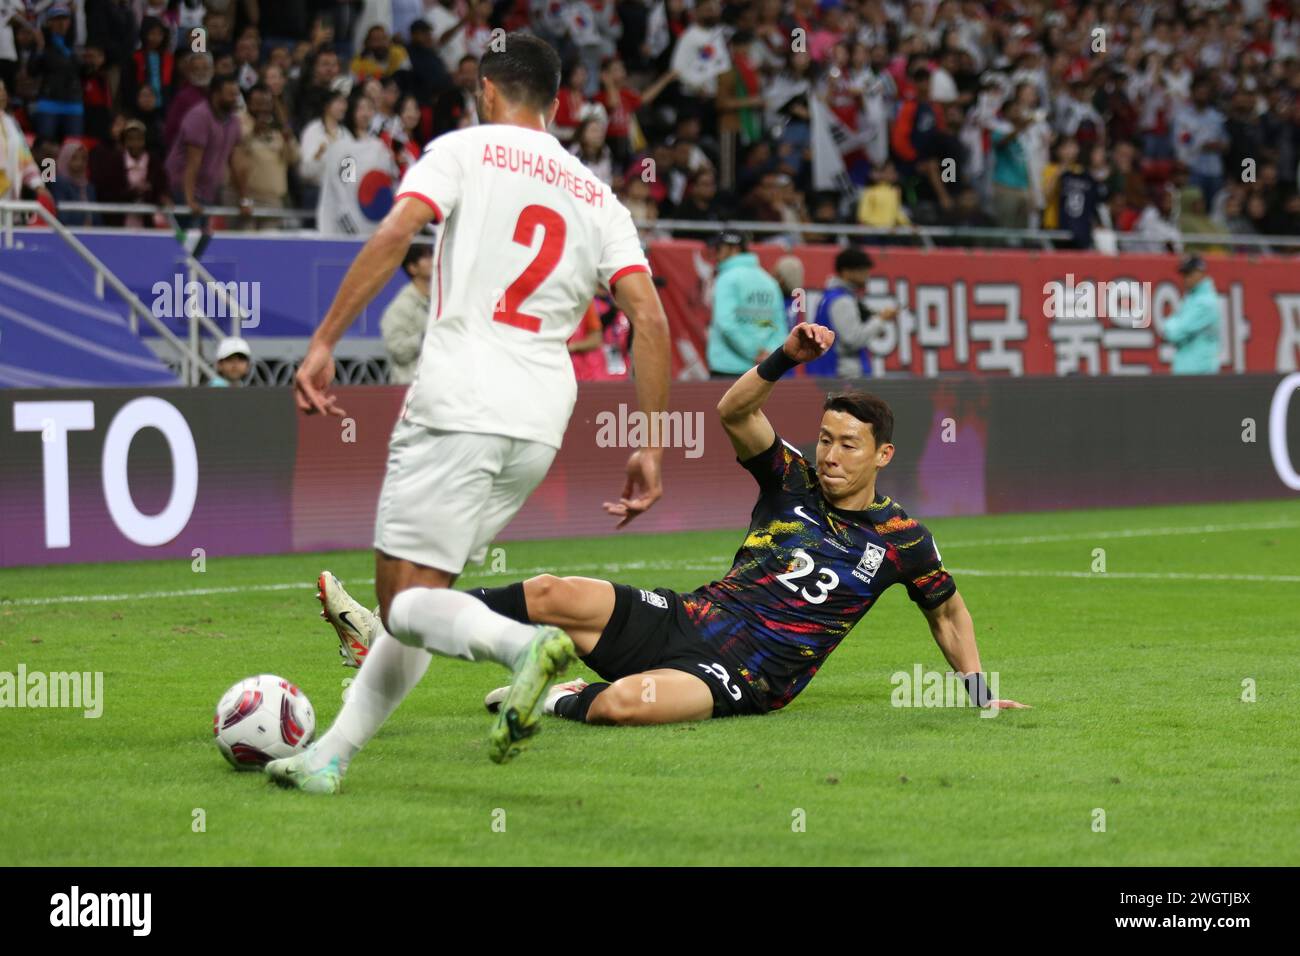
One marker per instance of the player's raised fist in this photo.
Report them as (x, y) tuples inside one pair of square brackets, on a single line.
[(808, 341)]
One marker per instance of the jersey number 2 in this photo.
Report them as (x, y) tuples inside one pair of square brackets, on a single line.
[(553, 229)]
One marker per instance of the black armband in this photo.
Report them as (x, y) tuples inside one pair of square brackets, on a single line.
[(978, 689), (775, 365)]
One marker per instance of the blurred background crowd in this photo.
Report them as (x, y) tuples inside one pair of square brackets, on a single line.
[(1153, 120)]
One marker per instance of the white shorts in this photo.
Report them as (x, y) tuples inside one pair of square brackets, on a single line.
[(446, 495)]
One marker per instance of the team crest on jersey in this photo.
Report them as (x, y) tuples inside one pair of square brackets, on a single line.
[(658, 600), (870, 563)]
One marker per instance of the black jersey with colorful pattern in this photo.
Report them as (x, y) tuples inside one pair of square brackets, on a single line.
[(806, 574)]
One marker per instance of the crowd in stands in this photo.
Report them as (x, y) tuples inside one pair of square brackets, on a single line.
[(1152, 118)]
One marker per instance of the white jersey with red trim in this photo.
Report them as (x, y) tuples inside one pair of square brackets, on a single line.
[(527, 235)]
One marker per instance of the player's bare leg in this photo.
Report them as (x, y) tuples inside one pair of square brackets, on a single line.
[(654, 697)]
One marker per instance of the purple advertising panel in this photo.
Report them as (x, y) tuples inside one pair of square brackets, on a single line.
[(118, 474), (99, 475)]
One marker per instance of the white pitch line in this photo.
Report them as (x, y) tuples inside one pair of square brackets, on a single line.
[(1125, 533), (1129, 575), (715, 567)]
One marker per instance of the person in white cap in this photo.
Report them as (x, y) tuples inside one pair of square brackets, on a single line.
[(232, 362)]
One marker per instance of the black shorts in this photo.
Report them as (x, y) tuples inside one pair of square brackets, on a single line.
[(650, 630)]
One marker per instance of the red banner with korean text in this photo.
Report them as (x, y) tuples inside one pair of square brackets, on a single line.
[(1005, 312)]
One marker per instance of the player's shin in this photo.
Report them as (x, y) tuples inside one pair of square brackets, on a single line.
[(387, 675), (575, 706), (454, 624)]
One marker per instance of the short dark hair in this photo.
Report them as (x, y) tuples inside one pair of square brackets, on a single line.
[(526, 70), (851, 257), (219, 81), (414, 253), (866, 408)]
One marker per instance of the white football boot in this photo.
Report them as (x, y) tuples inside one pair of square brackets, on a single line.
[(354, 625), (295, 773), (494, 698)]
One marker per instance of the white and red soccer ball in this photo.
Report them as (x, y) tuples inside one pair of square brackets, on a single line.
[(262, 719)]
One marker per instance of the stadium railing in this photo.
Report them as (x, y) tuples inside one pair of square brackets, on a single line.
[(188, 355), (237, 220)]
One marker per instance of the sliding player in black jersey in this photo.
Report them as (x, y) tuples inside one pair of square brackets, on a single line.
[(822, 546)]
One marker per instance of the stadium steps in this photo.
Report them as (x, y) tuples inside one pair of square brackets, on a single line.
[(56, 332)]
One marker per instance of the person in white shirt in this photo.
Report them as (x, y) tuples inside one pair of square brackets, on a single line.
[(526, 235), (700, 56)]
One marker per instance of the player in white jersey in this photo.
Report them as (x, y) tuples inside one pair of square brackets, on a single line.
[(527, 235)]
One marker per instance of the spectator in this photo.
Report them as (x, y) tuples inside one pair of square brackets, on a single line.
[(789, 273), (457, 108), (589, 146), (248, 58), (18, 170), (276, 83), (429, 76), (405, 142), (200, 157), (379, 57), (268, 151), (1156, 226), (317, 137), (198, 72), (1201, 139), (748, 314), (1011, 197), (147, 111), (841, 310), (129, 173), (404, 321), (1195, 328), (699, 59), (96, 95), (700, 204), (586, 347), (739, 105), (59, 111), (573, 105), (72, 183), (881, 204), (152, 64), (320, 83), (1078, 197), (621, 104), (232, 359)]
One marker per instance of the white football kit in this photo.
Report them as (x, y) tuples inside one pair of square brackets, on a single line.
[(527, 235)]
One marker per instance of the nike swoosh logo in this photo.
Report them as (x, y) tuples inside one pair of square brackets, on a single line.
[(803, 514), (343, 616)]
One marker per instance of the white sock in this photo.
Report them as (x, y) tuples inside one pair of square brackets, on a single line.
[(388, 673), (454, 624)]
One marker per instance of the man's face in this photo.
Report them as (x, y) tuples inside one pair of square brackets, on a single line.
[(848, 457), (857, 278), (1192, 279), (423, 267), (226, 98), (467, 76), (259, 106), (327, 68)]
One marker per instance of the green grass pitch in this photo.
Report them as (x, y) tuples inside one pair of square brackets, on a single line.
[(1136, 677)]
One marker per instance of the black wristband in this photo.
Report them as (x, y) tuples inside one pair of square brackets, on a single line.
[(775, 365), (977, 689)]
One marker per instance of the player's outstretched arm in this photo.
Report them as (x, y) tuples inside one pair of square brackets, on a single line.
[(370, 272), (954, 632), (741, 409), (635, 294)]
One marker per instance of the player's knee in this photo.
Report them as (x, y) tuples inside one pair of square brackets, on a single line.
[(620, 703), (540, 594)]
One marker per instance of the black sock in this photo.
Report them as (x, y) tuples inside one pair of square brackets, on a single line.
[(507, 601), (575, 706)]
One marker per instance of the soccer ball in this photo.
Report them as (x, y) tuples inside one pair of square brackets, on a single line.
[(262, 719)]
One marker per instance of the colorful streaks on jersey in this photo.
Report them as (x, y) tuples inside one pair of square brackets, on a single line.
[(806, 574)]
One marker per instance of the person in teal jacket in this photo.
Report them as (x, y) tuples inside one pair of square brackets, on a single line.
[(748, 310), (1196, 327)]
